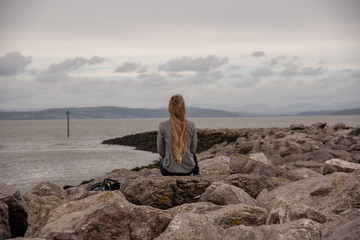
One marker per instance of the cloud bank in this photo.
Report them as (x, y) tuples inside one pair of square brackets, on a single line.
[(208, 81)]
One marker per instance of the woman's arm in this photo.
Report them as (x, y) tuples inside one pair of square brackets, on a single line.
[(193, 145), (160, 142)]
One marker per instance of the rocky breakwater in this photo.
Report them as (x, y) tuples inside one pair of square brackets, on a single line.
[(294, 183)]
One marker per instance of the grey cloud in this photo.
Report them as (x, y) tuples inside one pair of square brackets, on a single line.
[(67, 65), (97, 60), (309, 71), (246, 83), (174, 74), (152, 80), (205, 77), (262, 72), (275, 61), (201, 64), (258, 54), (236, 76), (355, 74), (59, 71), (233, 67), (142, 70), (290, 70), (293, 70), (13, 63), (128, 67)]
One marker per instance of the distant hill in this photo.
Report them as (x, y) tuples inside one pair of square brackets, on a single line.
[(108, 113), (355, 111)]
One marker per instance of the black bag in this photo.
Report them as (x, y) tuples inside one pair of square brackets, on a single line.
[(106, 185)]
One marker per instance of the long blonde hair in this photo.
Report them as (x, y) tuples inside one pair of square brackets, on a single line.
[(179, 129)]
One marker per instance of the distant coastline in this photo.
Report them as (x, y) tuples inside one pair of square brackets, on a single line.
[(128, 113)]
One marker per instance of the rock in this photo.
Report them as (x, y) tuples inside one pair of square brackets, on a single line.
[(48, 189), (192, 226), (319, 125), (4, 221), (306, 172), (335, 193), (308, 164), (295, 127), (292, 158), (253, 184), (355, 148), (238, 214), (243, 147), (349, 230), (198, 207), (209, 222), (321, 155), (338, 165), (105, 216), (217, 165), (357, 173), (25, 238), (351, 213), (81, 192), (355, 132), (242, 164), (260, 157), (271, 152), (164, 192), (38, 209), (303, 229), (285, 209), (257, 146), (16, 208), (224, 194), (340, 126)]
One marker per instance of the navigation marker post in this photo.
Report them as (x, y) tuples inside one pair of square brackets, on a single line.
[(68, 123)]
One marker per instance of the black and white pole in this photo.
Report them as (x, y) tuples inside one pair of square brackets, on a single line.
[(68, 123)]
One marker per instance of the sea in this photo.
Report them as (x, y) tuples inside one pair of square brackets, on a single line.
[(32, 151)]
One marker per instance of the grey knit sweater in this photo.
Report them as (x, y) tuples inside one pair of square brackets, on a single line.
[(165, 149)]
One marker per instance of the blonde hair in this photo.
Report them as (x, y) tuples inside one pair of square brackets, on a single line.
[(179, 129)]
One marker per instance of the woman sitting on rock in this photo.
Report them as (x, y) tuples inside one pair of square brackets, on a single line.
[(177, 141)]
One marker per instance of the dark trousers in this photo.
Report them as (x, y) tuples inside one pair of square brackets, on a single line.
[(165, 172)]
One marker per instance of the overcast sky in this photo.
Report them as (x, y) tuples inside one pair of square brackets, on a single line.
[(218, 54)]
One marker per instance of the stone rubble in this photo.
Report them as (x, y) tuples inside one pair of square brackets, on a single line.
[(300, 182)]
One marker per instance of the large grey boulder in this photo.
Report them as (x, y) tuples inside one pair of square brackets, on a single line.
[(296, 127), (306, 172), (285, 209), (339, 165), (192, 226), (48, 189), (245, 165), (105, 216), (349, 230), (260, 157), (218, 165), (38, 209), (4, 221), (224, 194), (226, 216), (238, 214), (16, 209), (253, 184), (302, 229), (165, 192), (335, 193), (200, 221)]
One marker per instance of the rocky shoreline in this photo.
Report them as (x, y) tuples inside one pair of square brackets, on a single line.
[(300, 182)]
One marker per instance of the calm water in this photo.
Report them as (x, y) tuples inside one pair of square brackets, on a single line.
[(38, 150)]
